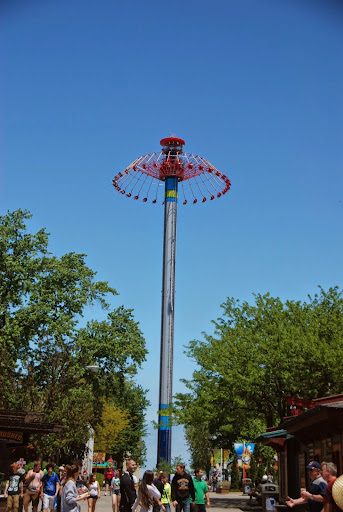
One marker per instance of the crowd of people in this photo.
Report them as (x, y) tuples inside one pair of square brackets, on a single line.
[(155, 494), (58, 491), (62, 491)]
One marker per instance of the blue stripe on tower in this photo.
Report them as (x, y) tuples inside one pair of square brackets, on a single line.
[(171, 190), (164, 445), (164, 432)]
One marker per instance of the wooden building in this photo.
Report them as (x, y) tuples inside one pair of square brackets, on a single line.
[(15, 431), (312, 431)]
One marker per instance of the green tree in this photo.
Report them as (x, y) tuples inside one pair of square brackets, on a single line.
[(234, 474), (44, 352), (170, 468), (110, 431), (252, 472), (258, 355), (200, 446)]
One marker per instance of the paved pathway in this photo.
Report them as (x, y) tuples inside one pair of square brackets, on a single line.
[(234, 501)]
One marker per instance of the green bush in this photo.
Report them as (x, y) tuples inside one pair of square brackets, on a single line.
[(100, 479)]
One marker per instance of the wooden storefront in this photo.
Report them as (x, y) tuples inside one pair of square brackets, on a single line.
[(313, 434), (15, 431)]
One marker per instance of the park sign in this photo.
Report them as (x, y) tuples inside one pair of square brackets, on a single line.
[(13, 437), (99, 461), (244, 452), (220, 457)]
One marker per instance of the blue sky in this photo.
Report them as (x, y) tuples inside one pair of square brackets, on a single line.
[(253, 86)]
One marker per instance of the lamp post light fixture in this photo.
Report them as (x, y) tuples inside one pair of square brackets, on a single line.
[(93, 368)]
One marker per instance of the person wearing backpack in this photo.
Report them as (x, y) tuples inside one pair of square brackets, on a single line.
[(50, 488)]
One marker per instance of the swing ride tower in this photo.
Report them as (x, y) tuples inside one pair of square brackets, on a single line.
[(189, 176)]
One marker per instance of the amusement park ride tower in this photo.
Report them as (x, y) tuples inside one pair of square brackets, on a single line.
[(193, 177)]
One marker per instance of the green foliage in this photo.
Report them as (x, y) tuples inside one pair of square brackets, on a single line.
[(111, 430), (44, 353), (200, 446), (163, 465), (224, 484), (234, 475), (170, 468), (252, 472), (258, 355), (100, 478)]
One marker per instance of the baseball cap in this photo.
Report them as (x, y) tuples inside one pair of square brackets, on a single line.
[(313, 465)]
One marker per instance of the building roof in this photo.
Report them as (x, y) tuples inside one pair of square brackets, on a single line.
[(316, 423), (325, 418), (24, 421), (275, 438)]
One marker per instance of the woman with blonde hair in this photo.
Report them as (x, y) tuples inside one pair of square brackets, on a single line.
[(147, 493)]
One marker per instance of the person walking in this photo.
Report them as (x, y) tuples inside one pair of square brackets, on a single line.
[(33, 491), (13, 488), (50, 488), (201, 492), (147, 494), (70, 496), (182, 487), (166, 494), (159, 486), (94, 492), (127, 487), (115, 486), (61, 477), (314, 497), (108, 475)]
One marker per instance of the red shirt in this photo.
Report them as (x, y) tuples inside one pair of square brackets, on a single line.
[(109, 474), (328, 495)]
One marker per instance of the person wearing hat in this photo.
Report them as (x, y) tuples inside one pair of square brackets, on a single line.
[(315, 495)]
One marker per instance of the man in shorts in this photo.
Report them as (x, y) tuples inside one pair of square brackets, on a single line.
[(13, 488), (34, 481), (50, 488), (108, 475)]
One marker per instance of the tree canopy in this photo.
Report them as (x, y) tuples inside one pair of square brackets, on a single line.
[(44, 353), (259, 354)]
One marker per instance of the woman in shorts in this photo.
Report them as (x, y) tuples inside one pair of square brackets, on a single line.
[(94, 492), (115, 486)]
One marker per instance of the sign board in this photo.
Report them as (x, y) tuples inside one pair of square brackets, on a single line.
[(15, 437), (244, 453)]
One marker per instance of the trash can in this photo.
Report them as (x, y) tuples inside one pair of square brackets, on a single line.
[(246, 485), (269, 495)]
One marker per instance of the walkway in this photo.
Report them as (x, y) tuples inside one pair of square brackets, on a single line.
[(234, 501)]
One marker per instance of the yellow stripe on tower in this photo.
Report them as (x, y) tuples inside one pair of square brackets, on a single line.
[(171, 193)]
